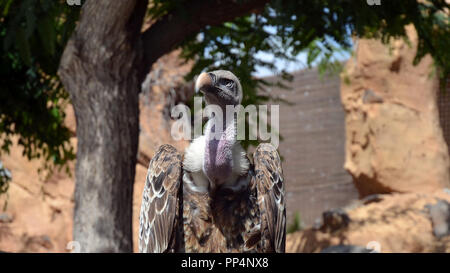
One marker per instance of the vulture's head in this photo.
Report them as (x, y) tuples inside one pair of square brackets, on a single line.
[(220, 87)]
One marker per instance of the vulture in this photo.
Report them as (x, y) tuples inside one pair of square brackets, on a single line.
[(212, 198)]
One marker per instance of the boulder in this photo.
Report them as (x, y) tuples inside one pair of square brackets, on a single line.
[(394, 142), (390, 223)]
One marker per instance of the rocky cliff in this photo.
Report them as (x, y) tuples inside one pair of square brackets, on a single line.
[(396, 154), (394, 142)]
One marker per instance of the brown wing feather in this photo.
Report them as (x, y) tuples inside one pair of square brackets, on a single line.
[(270, 187), (159, 216)]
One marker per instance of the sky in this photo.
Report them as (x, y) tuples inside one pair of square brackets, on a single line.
[(300, 62), (290, 66)]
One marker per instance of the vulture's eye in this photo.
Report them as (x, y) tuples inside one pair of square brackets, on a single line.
[(228, 83)]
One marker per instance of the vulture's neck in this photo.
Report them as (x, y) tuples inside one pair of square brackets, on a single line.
[(219, 143)]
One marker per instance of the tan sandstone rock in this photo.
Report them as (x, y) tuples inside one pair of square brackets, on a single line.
[(39, 209), (395, 223), (394, 142)]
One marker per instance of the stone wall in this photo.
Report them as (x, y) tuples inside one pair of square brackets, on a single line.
[(313, 148), (396, 153)]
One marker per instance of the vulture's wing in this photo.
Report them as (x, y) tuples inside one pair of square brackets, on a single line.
[(160, 206), (270, 186)]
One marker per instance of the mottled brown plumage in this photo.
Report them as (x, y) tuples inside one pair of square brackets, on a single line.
[(251, 220), (270, 187), (161, 203), (223, 221), (214, 200)]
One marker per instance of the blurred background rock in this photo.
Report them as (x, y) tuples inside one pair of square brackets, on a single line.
[(372, 142)]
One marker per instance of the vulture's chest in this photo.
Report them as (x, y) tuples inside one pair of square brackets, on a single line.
[(225, 221)]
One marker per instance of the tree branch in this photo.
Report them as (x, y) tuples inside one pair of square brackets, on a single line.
[(173, 28)]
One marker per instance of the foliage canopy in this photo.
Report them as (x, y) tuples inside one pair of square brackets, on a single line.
[(33, 34)]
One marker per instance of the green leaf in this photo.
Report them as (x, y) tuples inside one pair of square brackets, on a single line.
[(6, 7)]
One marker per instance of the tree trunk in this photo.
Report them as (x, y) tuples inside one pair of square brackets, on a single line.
[(102, 69)]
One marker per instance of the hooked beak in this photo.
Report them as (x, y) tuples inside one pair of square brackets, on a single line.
[(205, 82)]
